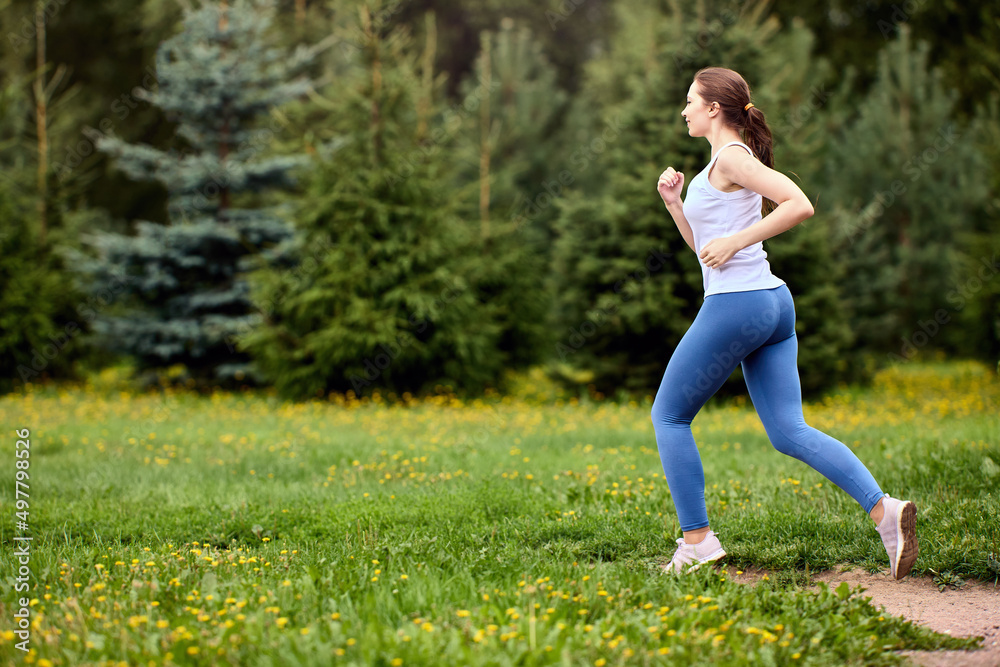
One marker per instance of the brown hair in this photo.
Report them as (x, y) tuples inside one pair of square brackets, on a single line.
[(718, 84), (731, 91)]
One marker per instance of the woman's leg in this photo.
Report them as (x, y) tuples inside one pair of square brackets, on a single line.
[(727, 328), (772, 377)]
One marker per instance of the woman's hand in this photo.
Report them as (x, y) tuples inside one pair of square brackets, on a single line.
[(718, 251), (669, 186)]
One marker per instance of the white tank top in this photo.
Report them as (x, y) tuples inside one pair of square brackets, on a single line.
[(713, 214)]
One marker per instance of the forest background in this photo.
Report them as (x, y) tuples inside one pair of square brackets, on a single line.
[(408, 195)]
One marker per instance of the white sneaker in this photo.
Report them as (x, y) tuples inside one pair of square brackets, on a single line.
[(689, 557), (899, 535)]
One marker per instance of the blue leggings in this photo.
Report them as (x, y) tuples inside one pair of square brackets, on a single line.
[(756, 328)]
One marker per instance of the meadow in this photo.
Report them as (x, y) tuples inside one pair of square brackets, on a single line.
[(176, 528)]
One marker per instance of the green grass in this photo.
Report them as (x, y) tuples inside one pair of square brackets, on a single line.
[(238, 529)]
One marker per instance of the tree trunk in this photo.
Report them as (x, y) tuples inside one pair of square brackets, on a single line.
[(371, 33), (41, 114), (484, 146), (427, 65), (224, 139)]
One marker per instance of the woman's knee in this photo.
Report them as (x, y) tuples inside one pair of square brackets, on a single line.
[(663, 415), (785, 445), (788, 438)]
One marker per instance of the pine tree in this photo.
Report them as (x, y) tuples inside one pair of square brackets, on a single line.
[(388, 304), (628, 286), (506, 150), (802, 104), (906, 182), (218, 79), (39, 322), (42, 314), (974, 289)]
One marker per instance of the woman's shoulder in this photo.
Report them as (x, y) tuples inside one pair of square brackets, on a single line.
[(732, 157), (737, 148)]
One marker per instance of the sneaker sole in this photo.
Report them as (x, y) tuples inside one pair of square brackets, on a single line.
[(907, 546), (718, 555)]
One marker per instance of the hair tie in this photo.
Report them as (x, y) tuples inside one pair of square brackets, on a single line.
[(747, 107)]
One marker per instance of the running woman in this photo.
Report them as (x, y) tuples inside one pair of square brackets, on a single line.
[(747, 317)]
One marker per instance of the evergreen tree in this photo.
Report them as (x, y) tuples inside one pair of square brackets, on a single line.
[(802, 105), (40, 308), (389, 305), (628, 286), (906, 184), (39, 323), (506, 150), (186, 280), (974, 289)]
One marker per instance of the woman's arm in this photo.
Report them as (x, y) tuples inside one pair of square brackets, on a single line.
[(683, 226), (793, 206), (669, 186)]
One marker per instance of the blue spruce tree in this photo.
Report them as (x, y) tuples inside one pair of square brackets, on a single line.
[(185, 281), (392, 303)]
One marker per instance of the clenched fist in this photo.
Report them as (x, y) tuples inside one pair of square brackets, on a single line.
[(669, 186)]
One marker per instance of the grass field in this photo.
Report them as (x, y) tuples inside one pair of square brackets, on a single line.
[(238, 529)]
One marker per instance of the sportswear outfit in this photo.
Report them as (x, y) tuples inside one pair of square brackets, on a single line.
[(748, 318)]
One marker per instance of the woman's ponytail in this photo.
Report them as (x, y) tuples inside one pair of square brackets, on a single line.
[(730, 90), (757, 135)]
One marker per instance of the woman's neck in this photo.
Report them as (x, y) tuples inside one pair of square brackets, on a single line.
[(721, 136)]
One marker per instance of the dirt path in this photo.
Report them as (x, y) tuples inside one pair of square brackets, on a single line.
[(970, 611)]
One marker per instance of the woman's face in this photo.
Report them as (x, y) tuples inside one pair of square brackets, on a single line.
[(696, 112)]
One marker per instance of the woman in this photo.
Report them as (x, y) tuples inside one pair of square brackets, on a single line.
[(747, 317)]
